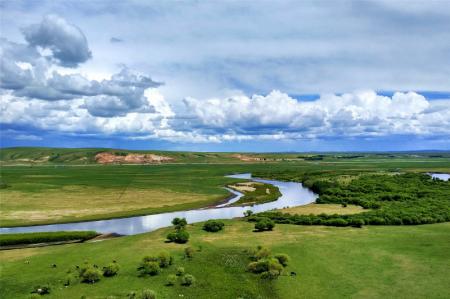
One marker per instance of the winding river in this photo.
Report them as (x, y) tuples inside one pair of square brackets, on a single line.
[(292, 194)]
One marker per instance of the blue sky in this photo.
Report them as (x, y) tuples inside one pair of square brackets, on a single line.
[(226, 76)]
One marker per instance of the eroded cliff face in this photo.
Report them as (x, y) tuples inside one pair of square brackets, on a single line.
[(111, 158)]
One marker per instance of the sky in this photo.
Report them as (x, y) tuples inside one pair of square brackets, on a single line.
[(226, 75)]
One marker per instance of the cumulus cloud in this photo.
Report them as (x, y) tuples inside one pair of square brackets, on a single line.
[(71, 116), (67, 43), (28, 73), (362, 113), (275, 116)]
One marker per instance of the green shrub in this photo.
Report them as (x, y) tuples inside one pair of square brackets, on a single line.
[(132, 295), (336, 222), (41, 289), (213, 226), (172, 236), (180, 237), (283, 259), (258, 266), (357, 222), (179, 223), (261, 252), (189, 252), (264, 224), (271, 274), (164, 259), (148, 294), (180, 271), (171, 280), (150, 258), (111, 269), (90, 274), (149, 268), (187, 279), (274, 265)]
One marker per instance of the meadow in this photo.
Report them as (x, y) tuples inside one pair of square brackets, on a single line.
[(330, 262), (376, 260), (43, 193)]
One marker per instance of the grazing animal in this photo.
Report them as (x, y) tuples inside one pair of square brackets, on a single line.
[(54, 266), (293, 273)]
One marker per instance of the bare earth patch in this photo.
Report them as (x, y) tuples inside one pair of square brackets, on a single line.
[(245, 187)]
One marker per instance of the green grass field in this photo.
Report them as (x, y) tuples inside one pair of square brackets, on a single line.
[(55, 193), (410, 261), (372, 262)]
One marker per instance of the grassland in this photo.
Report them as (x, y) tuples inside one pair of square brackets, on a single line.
[(43, 193), (331, 262), (372, 262)]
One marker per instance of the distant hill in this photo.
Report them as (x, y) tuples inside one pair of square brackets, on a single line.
[(47, 155)]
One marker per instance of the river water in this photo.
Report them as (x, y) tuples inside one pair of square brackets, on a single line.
[(441, 176), (292, 194)]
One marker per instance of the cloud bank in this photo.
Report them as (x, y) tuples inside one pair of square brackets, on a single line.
[(45, 87)]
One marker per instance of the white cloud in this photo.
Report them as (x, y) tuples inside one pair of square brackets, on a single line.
[(362, 113), (276, 116)]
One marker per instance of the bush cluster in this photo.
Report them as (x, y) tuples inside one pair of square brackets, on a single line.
[(90, 273), (264, 224), (403, 199), (268, 266), (152, 265), (213, 226)]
